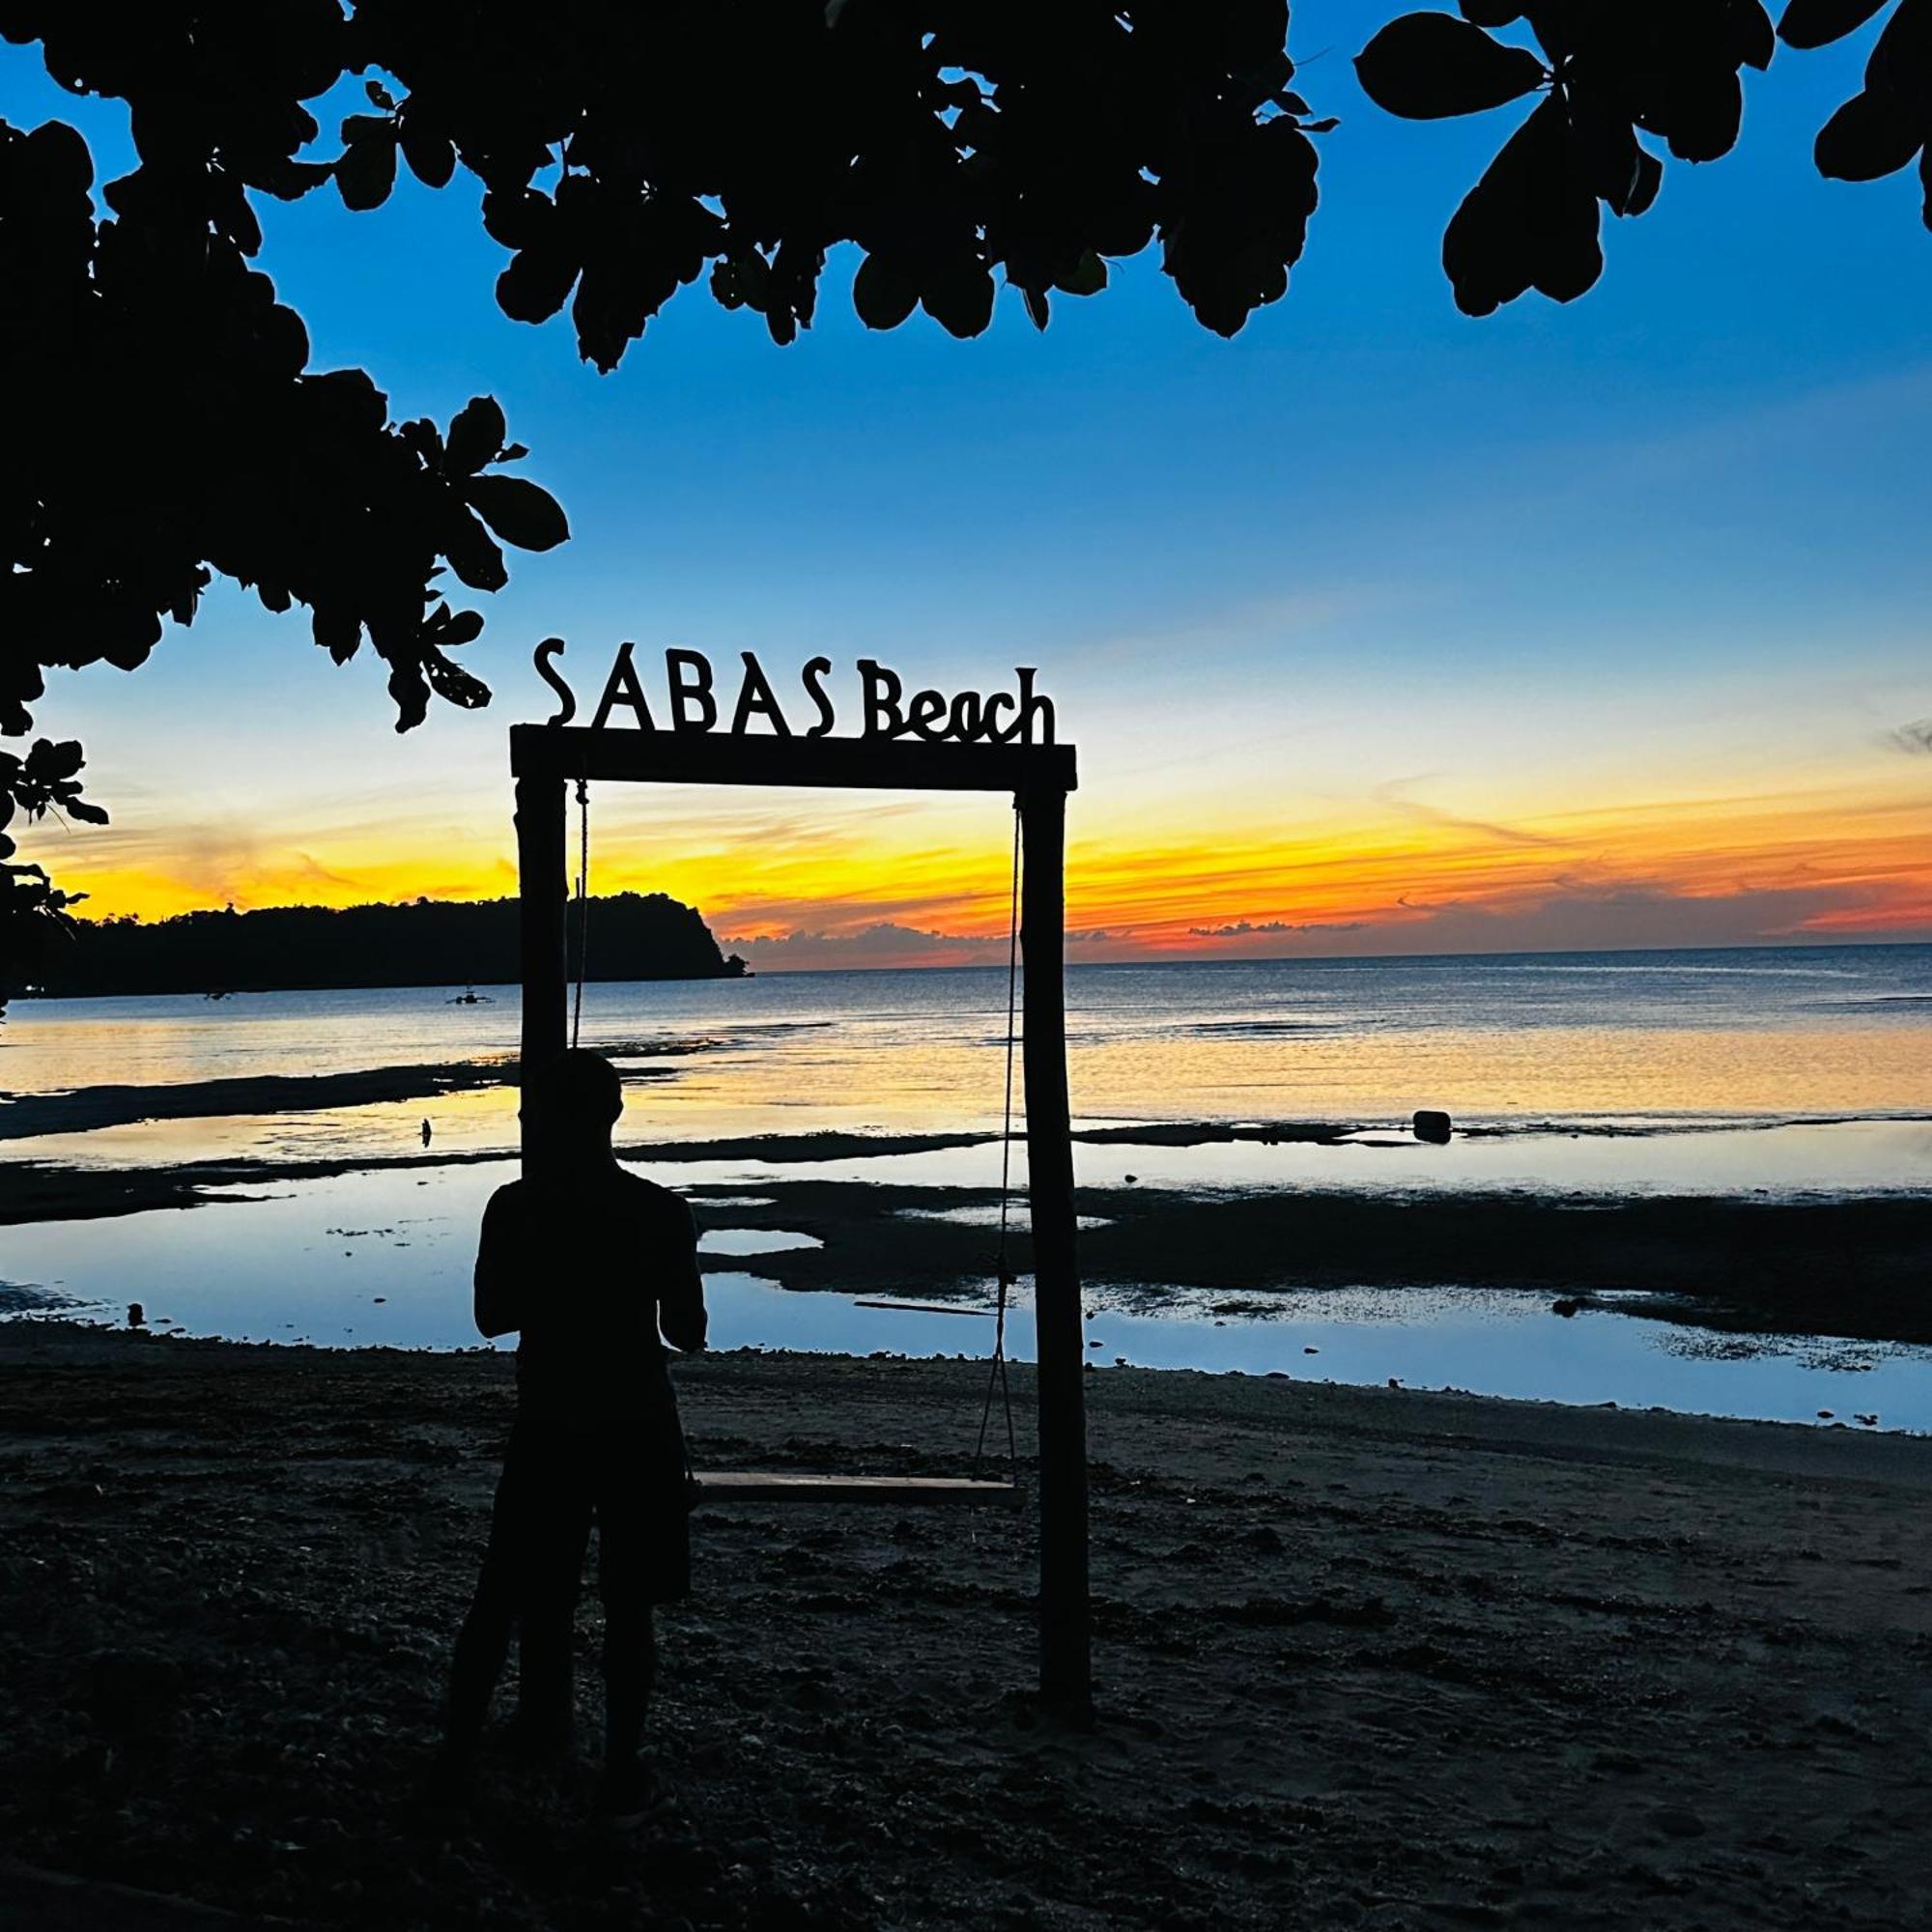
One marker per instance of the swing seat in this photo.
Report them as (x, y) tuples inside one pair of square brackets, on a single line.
[(776, 1485)]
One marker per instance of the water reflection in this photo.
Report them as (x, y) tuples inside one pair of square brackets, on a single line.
[(1825, 1030), (385, 1259)]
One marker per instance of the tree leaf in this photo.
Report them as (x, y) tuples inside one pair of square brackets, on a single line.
[(1706, 110), (1751, 39), (367, 170), (1901, 63), (1530, 222), (519, 511), (1427, 66), (407, 686), (883, 293), (536, 284), (477, 433), (959, 295), (86, 812), (287, 180), (1087, 277), (432, 157), (337, 630), (1607, 144), (1816, 23), (1649, 180), (451, 682), (474, 557), (50, 762), (350, 396), (1867, 137)]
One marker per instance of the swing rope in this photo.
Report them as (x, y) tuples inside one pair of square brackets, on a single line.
[(583, 903), (996, 1378)]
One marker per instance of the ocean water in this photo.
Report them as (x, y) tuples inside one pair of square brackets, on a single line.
[(1631, 1038), (1770, 1071)]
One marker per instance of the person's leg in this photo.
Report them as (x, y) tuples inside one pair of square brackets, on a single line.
[(481, 1646), (630, 1675), (484, 1641), (550, 1587), (630, 1530)]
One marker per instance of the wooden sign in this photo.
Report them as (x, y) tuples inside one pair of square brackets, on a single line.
[(693, 700)]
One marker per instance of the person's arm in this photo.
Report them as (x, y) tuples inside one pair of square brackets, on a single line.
[(498, 1270), (681, 1317)]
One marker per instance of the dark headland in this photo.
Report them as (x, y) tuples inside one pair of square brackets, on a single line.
[(423, 942)]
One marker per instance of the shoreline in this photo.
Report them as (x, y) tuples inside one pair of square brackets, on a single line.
[(29, 1116), (1364, 1656), (1846, 1266)]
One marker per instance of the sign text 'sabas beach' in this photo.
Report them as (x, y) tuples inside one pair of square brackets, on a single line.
[(693, 702)]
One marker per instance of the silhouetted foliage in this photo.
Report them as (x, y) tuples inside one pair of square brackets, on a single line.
[(1610, 71), (164, 425), (429, 943), (32, 910)]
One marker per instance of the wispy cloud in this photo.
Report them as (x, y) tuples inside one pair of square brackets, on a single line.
[(1392, 794), (882, 943), (1243, 928)]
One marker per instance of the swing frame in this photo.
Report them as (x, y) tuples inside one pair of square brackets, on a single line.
[(546, 760)]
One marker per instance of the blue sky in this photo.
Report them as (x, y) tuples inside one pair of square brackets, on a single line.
[(1665, 543)]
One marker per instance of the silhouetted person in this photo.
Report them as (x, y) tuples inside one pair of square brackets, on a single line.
[(425, 1133), (588, 1263)]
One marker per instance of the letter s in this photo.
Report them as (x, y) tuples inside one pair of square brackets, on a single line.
[(814, 685), (552, 647)]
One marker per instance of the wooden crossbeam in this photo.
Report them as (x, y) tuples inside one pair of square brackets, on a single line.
[(774, 1486), (709, 758)]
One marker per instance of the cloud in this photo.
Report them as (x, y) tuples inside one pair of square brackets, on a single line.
[(1428, 814), (1913, 739), (882, 943), (310, 868), (1247, 929), (1647, 913)]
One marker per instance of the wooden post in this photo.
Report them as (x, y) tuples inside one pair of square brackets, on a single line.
[(543, 892), (1065, 1672)]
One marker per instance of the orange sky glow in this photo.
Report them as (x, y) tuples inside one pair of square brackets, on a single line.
[(922, 882)]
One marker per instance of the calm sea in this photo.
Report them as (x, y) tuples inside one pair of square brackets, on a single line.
[(1747, 1052), (1728, 1034)]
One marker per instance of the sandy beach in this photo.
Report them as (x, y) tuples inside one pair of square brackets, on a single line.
[(1364, 1656)]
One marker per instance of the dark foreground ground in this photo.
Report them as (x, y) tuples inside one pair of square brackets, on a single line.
[(1366, 1657)]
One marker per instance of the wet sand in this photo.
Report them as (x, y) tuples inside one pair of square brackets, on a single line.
[(1365, 1658), (83, 1109), (1852, 1267)]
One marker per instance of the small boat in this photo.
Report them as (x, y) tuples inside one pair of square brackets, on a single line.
[(471, 997)]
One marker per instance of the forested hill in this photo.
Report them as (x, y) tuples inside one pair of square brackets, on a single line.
[(430, 943)]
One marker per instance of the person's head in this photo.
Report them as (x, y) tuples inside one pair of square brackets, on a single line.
[(573, 1099)]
